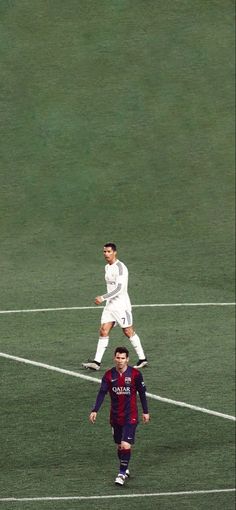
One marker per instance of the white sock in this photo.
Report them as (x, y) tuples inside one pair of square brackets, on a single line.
[(136, 343), (101, 347)]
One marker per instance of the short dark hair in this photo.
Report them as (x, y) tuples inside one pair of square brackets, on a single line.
[(110, 245), (122, 350)]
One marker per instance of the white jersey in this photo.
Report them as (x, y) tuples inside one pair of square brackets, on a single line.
[(117, 297)]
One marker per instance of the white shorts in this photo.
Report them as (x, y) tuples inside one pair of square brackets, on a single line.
[(122, 317)]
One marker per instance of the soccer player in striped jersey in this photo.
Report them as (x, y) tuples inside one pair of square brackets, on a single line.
[(122, 382), (117, 309)]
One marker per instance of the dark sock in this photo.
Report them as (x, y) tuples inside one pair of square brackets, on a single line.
[(124, 456)]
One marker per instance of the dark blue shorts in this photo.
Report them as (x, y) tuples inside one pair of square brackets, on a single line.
[(124, 433)]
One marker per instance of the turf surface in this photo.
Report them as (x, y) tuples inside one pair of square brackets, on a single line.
[(117, 125)]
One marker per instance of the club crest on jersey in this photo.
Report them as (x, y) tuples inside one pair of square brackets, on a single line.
[(127, 380)]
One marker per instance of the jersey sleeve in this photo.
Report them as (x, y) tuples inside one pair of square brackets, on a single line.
[(101, 394), (141, 389)]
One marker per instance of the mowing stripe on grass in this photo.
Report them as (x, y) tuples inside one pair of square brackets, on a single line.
[(151, 305), (95, 379), (115, 496)]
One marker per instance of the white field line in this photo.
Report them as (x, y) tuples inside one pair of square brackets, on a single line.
[(150, 305), (115, 496), (95, 379)]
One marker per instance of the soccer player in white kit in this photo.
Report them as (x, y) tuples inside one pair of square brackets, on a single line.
[(117, 309)]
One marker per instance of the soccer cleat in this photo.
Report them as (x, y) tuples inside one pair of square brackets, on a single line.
[(127, 473), (92, 365), (141, 363), (120, 479)]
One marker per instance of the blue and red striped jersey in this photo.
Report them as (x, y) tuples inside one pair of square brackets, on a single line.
[(123, 390)]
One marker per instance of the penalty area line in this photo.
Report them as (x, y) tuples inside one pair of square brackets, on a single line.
[(115, 496), (95, 379)]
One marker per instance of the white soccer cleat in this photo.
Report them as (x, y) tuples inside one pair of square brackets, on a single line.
[(127, 473), (120, 479), (92, 365)]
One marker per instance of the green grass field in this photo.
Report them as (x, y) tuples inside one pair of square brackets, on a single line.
[(117, 125)]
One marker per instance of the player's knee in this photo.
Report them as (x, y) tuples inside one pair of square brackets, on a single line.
[(128, 331), (125, 445), (104, 331)]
